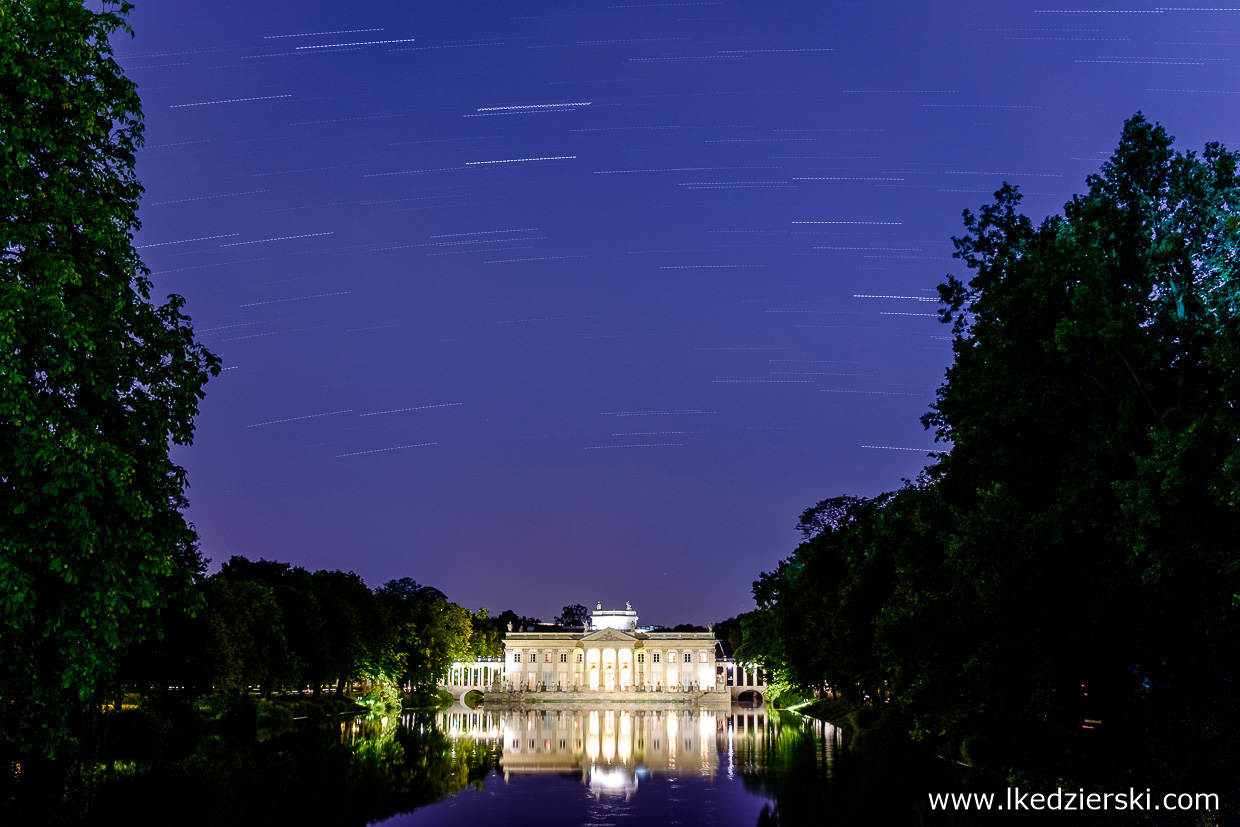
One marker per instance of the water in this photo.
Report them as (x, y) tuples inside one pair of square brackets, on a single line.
[(607, 767)]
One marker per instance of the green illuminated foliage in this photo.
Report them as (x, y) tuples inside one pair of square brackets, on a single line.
[(430, 631), (95, 380)]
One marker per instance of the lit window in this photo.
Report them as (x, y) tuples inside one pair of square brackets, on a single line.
[(564, 657), (516, 657), (547, 657), (701, 657), (656, 658), (578, 657), (688, 657)]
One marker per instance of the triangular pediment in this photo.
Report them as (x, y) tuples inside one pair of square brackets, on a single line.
[(608, 635)]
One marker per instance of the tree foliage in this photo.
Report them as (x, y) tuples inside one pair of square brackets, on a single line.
[(484, 639), (431, 632), (95, 380), (573, 616), (1074, 555)]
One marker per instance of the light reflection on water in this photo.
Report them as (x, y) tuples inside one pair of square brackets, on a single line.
[(606, 766)]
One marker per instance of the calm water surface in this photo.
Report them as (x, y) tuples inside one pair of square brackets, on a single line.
[(617, 766), (609, 766)]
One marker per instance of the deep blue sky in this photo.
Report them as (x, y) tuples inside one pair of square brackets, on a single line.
[(622, 371)]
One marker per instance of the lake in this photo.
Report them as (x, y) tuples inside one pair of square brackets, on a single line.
[(607, 766), (616, 766)]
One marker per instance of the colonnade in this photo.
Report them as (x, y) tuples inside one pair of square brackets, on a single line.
[(743, 675), (604, 669), (480, 675)]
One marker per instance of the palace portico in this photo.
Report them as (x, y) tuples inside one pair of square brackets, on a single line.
[(609, 657)]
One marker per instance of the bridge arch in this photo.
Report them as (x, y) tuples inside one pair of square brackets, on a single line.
[(751, 698)]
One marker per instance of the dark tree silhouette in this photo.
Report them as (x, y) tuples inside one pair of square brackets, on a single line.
[(573, 615), (95, 382)]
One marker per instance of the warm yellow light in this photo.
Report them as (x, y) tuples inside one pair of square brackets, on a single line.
[(706, 724)]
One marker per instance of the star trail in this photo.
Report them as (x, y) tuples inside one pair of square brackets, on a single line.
[(493, 233)]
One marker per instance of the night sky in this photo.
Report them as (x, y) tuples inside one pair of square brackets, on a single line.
[(546, 303)]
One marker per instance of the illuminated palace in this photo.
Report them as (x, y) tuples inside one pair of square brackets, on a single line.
[(609, 654)]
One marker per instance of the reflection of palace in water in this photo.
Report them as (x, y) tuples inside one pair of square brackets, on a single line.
[(608, 656), (612, 750)]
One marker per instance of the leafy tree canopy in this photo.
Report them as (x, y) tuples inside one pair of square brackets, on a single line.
[(1074, 555), (573, 615), (95, 380), (431, 631)]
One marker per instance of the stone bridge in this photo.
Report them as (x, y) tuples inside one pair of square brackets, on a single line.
[(483, 674), (741, 678)]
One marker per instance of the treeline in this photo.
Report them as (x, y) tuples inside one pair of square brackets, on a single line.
[(1060, 593), (279, 627)]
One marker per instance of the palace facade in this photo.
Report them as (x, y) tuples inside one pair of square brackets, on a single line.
[(610, 653)]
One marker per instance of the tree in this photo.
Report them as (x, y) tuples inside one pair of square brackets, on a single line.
[(245, 636), (831, 513), (728, 633), (358, 629), (1074, 555), (95, 381), (301, 622), (573, 616), (519, 622), (431, 631), (484, 638), (1094, 480)]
